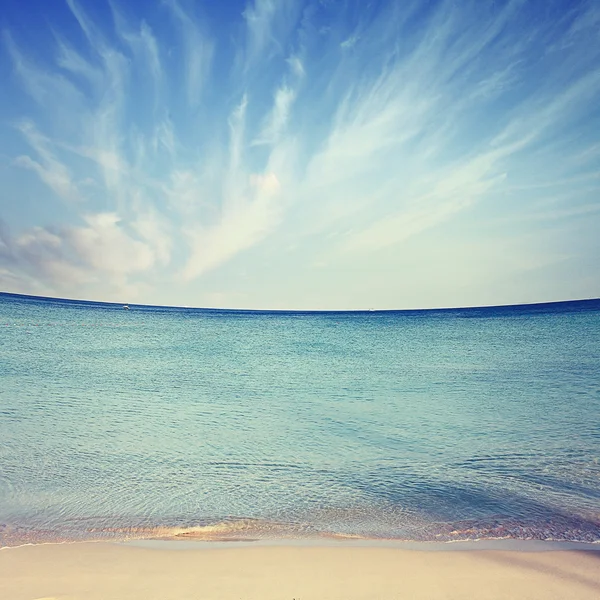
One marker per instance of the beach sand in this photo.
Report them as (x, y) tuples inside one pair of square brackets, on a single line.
[(108, 571)]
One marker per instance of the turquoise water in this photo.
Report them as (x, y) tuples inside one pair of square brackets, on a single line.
[(422, 425)]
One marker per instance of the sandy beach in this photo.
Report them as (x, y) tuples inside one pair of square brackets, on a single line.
[(103, 571)]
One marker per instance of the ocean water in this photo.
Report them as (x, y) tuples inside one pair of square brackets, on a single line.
[(416, 425)]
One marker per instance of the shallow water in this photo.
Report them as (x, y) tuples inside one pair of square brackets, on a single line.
[(419, 425)]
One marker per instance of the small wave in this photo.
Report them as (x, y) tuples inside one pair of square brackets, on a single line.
[(234, 529), (246, 529)]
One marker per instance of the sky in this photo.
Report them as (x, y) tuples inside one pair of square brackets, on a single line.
[(301, 154)]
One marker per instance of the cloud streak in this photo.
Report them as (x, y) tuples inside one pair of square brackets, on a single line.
[(198, 54)]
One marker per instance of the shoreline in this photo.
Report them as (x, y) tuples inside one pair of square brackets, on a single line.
[(190, 543), (333, 570), (505, 545)]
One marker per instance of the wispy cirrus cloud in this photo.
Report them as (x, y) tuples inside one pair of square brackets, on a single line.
[(269, 24), (54, 173), (248, 211), (198, 53), (188, 142), (47, 89), (142, 43), (277, 119)]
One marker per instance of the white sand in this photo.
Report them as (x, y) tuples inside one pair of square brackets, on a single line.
[(105, 571)]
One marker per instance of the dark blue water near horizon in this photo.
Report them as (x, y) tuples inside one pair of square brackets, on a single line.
[(439, 424), (561, 306)]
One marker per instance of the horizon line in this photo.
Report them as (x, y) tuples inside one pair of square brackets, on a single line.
[(302, 311)]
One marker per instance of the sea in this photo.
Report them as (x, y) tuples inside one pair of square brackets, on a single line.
[(177, 423)]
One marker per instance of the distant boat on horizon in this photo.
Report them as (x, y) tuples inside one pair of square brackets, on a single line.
[(126, 306)]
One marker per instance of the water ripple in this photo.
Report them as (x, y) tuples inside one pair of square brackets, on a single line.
[(182, 423)]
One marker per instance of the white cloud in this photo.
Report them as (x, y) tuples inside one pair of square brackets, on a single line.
[(105, 246), (71, 60), (199, 52), (259, 18), (268, 25), (277, 119), (99, 253), (164, 136), (50, 170), (296, 66), (265, 184), (449, 197), (142, 42), (237, 230), (248, 213), (154, 230), (51, 91), (350, 42)]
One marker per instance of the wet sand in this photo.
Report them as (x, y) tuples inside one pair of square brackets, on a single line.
[(109, 571)]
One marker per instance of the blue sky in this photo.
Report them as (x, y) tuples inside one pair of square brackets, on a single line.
[(317, 154)]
